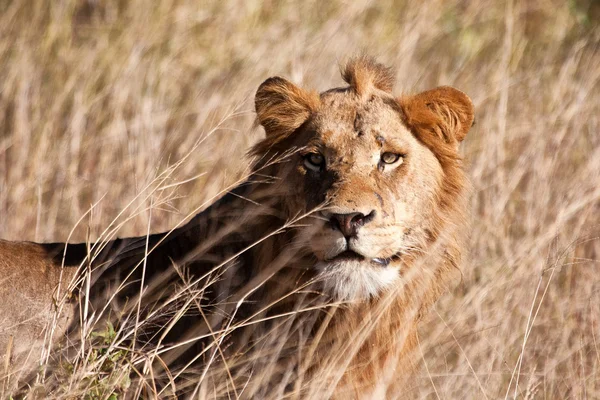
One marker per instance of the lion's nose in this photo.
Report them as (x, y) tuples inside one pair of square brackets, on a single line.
[(348, 224)]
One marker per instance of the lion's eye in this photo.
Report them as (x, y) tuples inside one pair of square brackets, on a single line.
[(390, 158), (314, 161)]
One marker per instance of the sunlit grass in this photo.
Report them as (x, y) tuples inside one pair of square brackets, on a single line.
[(103, 104)]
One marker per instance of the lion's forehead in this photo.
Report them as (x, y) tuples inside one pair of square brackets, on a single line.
[(349, 124), (351, 112)]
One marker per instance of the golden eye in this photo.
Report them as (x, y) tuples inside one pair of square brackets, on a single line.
[(314, 161), (390, 158)]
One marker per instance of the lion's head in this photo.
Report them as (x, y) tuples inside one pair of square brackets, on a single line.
[(382, 172)]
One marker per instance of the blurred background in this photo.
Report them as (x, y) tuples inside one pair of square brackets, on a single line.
[(145, 110)]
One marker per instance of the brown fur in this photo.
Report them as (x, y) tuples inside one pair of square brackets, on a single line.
[(360, 347), (281, 108), (29, 293)]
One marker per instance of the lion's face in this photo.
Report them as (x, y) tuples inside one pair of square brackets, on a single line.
[(376, 187)]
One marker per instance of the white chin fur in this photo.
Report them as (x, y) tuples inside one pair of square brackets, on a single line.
[(355, 280)]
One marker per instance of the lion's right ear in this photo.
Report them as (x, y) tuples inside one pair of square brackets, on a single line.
[(282, 107)]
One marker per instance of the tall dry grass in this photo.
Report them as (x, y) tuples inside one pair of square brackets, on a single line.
[(97, 99)]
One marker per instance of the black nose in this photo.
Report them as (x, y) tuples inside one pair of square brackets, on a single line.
[(348, 224)]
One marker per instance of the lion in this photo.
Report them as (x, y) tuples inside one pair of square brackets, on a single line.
[(310, 277)]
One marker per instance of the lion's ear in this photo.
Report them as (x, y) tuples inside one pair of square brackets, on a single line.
[(444, 111), (282, 107)]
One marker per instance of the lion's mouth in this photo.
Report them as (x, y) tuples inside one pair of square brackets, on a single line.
[(350, 255)]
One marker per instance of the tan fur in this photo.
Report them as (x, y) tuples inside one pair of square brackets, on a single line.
[(29, 292), (363, 75), (414, 220)]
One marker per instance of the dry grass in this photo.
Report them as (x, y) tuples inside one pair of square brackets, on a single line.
[(97, 99)]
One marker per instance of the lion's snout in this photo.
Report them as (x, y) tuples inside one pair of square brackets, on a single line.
[(350, 223)]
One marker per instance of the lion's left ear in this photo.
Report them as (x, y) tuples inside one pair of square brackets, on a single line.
[(444, 111)]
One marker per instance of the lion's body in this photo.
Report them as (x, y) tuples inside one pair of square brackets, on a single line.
[(328, 266), (29, 286)]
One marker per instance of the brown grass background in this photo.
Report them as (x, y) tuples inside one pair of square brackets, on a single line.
[(97, 98)]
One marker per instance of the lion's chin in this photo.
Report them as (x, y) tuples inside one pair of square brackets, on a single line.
[(352, 278)]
